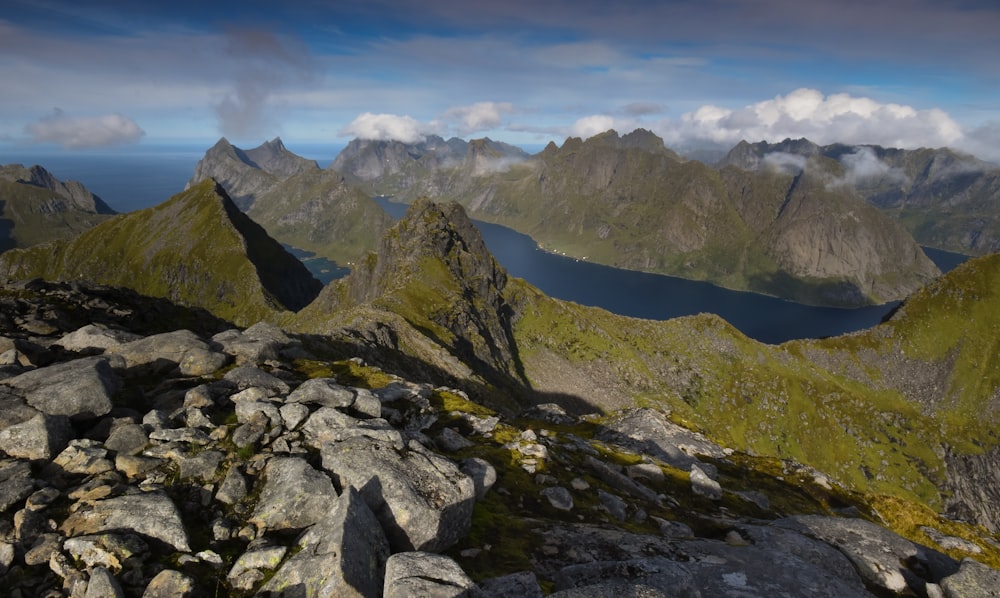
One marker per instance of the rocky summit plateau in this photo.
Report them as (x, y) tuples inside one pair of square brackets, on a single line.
[(431, 426)]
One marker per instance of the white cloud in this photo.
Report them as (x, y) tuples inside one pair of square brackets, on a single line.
[(863, 164), (823, 119), (481, 116), (82, 131), (785, 162), (385, 127)]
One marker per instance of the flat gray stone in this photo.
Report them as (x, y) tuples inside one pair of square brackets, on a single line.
[(42, 437), (149, 514)]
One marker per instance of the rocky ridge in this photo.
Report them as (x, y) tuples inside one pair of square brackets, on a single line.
[(274, 467)]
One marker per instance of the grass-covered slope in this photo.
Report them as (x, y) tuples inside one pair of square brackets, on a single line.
[(195, 249)]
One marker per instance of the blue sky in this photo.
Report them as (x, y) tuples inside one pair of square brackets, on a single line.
[(699, 73)]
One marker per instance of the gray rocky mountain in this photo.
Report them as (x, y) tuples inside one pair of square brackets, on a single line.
[(221, 491), (247, 173), (946, 199)]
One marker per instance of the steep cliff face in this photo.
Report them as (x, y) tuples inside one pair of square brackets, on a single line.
[(946, 199), (196, 248), (36, 207)]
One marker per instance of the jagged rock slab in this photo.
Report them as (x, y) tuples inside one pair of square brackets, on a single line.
[(295, 495)]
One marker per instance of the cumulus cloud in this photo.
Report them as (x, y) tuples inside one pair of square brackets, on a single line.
[(822, 119), (84, 131), (481, 116), (385, 127)]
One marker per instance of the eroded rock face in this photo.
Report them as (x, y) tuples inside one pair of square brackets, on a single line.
[(973, 494), (80, 389)]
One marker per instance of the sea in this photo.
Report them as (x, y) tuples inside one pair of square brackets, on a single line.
[(146, 175)]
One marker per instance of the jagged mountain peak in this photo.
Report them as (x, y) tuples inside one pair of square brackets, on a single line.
[(432, 269)]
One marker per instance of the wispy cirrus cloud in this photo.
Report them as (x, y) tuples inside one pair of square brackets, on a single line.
[(76, 132)]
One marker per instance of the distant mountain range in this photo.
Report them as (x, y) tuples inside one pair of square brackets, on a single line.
[(36, 207), (629, 202), (946, 199)]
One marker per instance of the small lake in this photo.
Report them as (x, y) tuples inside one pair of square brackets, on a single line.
[(658, 297)]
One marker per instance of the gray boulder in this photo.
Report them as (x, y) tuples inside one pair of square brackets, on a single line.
[(295, 495), (149, 514), (421, 499), (342, 555), (427, 575), (165, 352), (328, 425), (170, 584), (80, 389), (246, 376), (95, 336), (16, 483), (41, 437), (103, 585), (322, 391), (247, 350)]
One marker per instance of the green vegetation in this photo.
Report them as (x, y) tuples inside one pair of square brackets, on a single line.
[(193, 249)]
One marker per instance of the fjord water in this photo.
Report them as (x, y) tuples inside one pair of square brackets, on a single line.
[(148, 175)]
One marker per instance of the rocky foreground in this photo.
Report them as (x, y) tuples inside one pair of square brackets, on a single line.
[(151, 452)]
